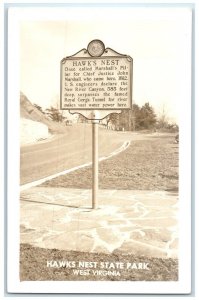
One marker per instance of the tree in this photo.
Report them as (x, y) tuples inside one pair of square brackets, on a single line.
[(134, 119), (147, 117), (162, 121), (54, 114), (124, 120), (138, 118), (39, 108), (113, 118)]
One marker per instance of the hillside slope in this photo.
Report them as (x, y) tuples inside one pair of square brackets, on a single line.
[(29, 111)]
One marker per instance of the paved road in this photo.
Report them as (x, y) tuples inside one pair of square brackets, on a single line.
[(66, 151)]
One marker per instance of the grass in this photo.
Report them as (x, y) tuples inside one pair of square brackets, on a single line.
[(146, 165), (33, 262)]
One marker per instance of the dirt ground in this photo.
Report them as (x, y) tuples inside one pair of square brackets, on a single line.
[(33, 265)]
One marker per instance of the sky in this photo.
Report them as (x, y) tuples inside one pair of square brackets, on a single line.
[(158, 40)]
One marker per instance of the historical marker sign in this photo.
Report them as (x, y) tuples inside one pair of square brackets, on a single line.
[(96, 79), (96, 82)]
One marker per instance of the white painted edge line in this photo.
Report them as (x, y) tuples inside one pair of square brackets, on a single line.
[(40, 181)]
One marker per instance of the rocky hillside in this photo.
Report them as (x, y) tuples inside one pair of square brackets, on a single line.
[(29, 111), (31, 132)]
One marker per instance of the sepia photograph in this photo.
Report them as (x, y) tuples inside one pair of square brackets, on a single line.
[(103, 114)]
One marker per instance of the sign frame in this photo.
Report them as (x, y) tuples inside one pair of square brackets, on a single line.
[(108, 53)]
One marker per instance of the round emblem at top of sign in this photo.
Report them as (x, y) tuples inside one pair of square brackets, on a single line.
[(96, 48)]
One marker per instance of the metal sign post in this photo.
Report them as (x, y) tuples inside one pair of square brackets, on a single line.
[(94, 163), (96, 82)]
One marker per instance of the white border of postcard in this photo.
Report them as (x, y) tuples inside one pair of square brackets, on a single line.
[(14, 284)]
